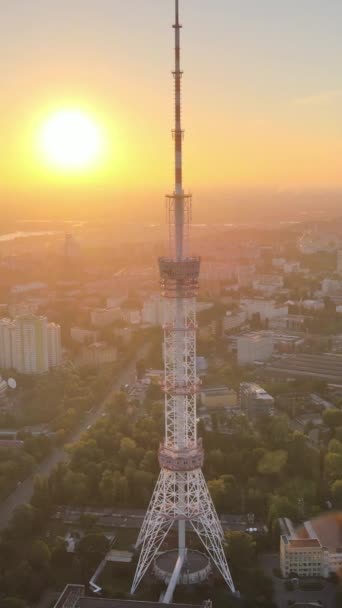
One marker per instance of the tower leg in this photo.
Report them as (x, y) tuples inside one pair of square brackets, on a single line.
[(208, 528), (153, 532)]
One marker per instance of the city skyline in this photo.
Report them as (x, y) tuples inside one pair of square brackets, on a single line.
[(261, 100)]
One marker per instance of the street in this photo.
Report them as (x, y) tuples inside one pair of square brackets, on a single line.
[(133, 518), (24, 491)]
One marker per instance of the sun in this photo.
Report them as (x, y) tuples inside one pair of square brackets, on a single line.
[(70, 140)]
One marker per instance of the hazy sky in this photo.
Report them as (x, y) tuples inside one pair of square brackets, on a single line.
[(262, 93)]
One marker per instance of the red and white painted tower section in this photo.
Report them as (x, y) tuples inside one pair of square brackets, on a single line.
[(181, 494)]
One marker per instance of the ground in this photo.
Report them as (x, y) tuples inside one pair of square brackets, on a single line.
[(269, 562)]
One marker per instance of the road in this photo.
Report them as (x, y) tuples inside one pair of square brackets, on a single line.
[(24, 491), (133, 518)]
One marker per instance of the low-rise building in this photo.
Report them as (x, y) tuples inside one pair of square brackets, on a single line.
[(234, 320), (314, 549), (255, 401), (254, 347), (301, 556)]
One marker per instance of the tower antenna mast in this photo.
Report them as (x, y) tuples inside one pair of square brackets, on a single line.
[(181, 497)]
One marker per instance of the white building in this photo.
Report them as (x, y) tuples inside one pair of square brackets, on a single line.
[(102, 317), (7, 327), (54, 345), (153, 311), (3, 391), (30, 344), (233, 320), (30, 354), (254, 347), (266, 309)]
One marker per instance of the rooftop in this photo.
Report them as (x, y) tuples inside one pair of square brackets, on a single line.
[(325, 366)]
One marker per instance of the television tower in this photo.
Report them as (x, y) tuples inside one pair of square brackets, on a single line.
[(181, 496)]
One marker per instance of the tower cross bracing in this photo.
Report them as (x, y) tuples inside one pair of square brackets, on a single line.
[(181, 495)]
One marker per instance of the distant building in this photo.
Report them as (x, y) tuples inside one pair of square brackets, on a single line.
[(314, 305), (291, 267), (82, 335), (17, 309), (72, 249), (233, 320), (254, 347), (325, 367), (268, 283), (255, 401), (294, 322), (7, 327), (278, 262), (102, 317), (246, 275), (220, 397), (30, 344), (54, 345), (97, 354), (266, 309), (201, 365), (3, 391), (132, 316), (153, 311), (331, 287), (339, 261), (27, 287)]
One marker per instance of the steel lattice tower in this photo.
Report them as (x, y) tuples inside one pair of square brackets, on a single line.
[(181, 494)]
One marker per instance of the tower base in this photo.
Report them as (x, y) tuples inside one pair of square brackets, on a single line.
[(196, 567)]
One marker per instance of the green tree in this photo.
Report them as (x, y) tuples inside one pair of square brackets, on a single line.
[(240, 550), (333, 466), (13, 602), (23, 522), (39, 556), (332, 418), (272, 463), (336, 491)]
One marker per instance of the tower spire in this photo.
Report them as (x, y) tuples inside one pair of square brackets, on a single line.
[(178, 139)]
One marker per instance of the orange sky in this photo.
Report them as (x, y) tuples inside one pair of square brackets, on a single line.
[(262, 97)]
